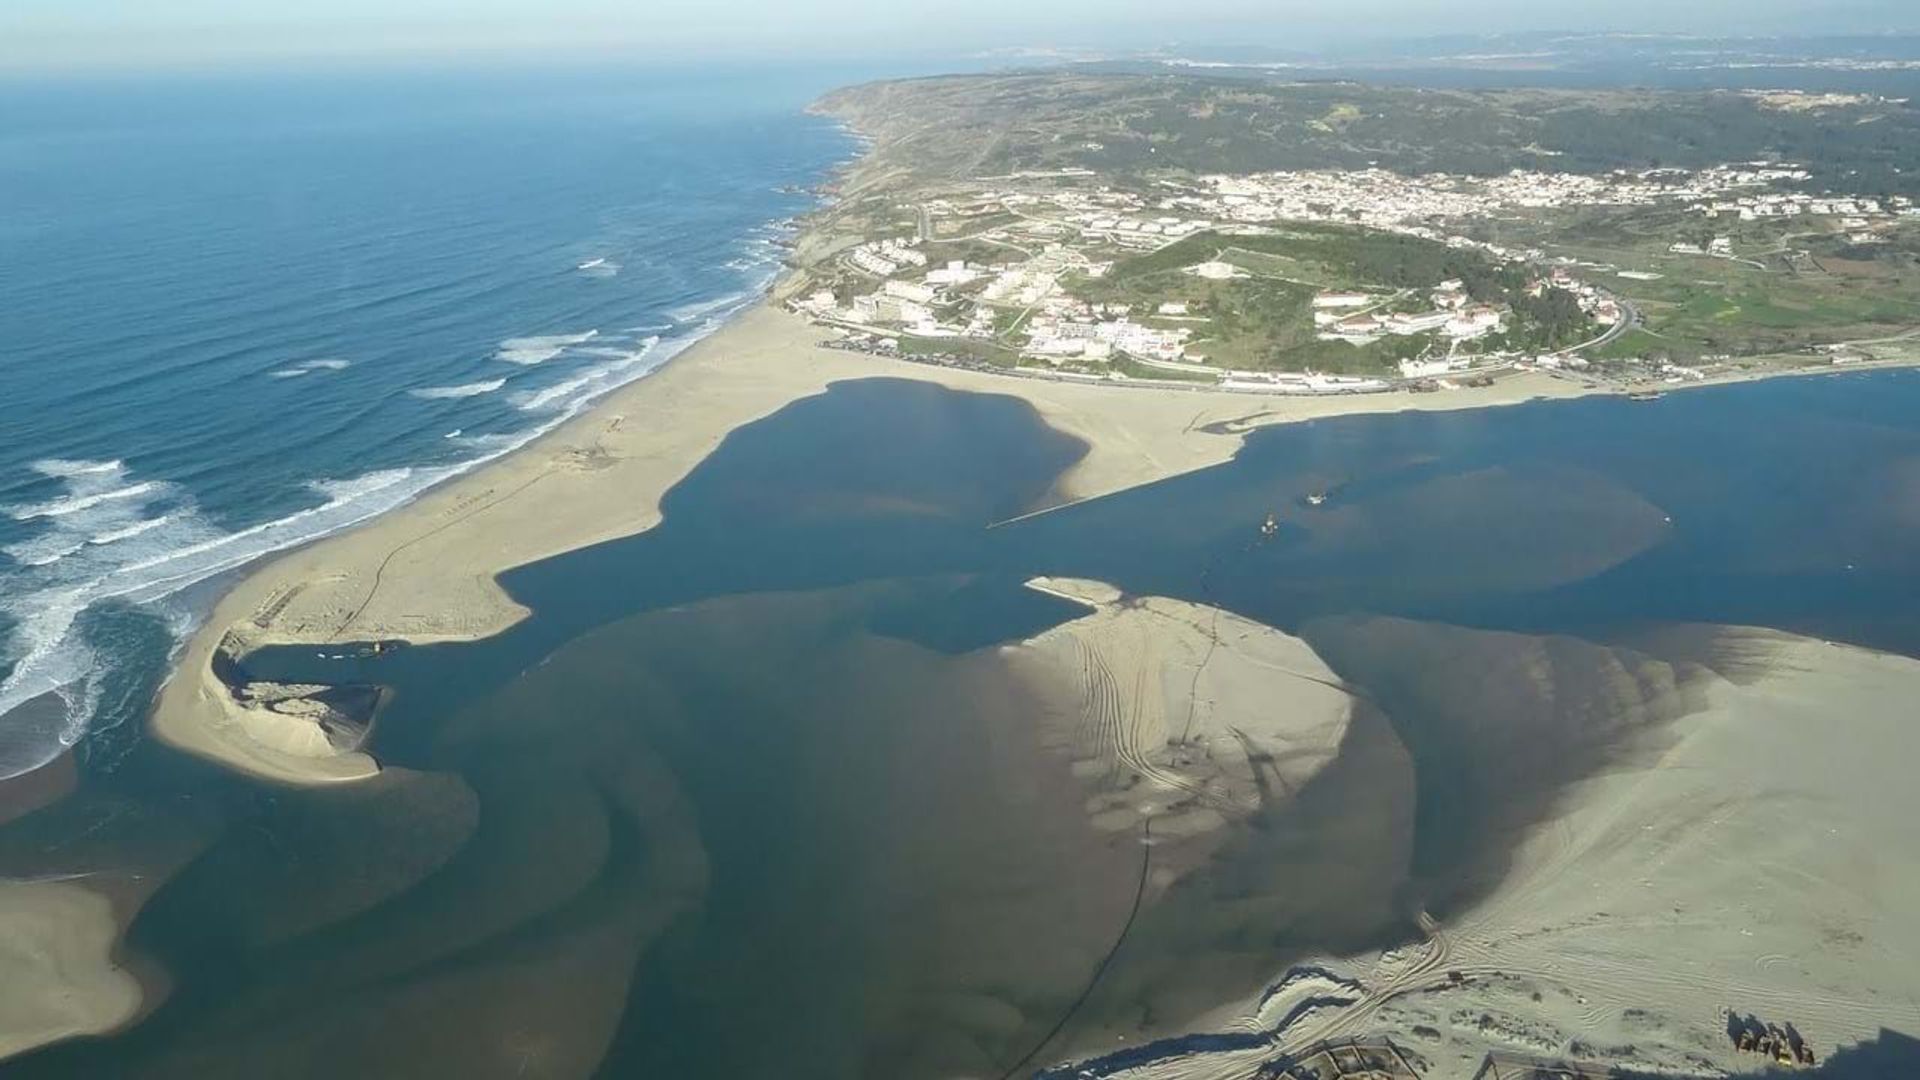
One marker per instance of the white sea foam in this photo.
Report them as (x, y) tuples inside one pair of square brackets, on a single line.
[(113, 551), (61, 468), (589, 383), (43, 550), (310, 366), (688, 313), (77, 503), (464, 390), (528, 351), (114, 536)]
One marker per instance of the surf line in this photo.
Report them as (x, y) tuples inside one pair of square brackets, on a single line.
[(1139, 893)]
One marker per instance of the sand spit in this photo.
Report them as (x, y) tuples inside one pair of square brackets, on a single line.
[(1277, 805), (1749, 853), (1180, 714), (72, 878), (427, 572), (61, 977)]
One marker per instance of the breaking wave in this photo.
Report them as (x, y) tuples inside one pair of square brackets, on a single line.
[(528, 351), (111, 550), (60, 468), (309, 367), (114, 536), (75, 504), (464, 390), (590, 383)]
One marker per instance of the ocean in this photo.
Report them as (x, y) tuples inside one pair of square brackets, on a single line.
[(243, 312)]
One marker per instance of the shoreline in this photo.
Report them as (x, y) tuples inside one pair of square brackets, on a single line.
[(425, 571)]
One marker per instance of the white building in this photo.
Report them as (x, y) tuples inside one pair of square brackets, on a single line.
[(954, 273), (873, 263), (1473, 322), (908, 290)]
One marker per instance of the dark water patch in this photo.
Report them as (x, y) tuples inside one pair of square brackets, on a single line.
[(976, 613)]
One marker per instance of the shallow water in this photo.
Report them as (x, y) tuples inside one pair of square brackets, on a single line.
[(749, 792)]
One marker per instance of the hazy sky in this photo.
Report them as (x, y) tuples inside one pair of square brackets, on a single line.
[(39, 34)]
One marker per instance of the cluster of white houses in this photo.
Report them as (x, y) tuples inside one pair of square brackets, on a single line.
[(1383, 199), (1454, 315), (885, 258)]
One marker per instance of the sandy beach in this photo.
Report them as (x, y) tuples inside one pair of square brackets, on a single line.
[(426, 572)]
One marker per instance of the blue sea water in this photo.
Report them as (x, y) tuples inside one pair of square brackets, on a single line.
[(239, 313)]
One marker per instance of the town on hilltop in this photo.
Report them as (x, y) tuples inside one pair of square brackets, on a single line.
[(1311, 281)]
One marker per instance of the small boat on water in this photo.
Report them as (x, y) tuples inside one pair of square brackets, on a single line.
[(1646, 395), (591, 264), (1316, 498), (1270, 526)]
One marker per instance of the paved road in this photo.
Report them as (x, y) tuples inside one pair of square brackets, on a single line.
[(1629, 320)]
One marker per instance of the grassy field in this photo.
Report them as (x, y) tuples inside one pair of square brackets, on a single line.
[(1264, 320), (1790, 285), (984, 351)]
